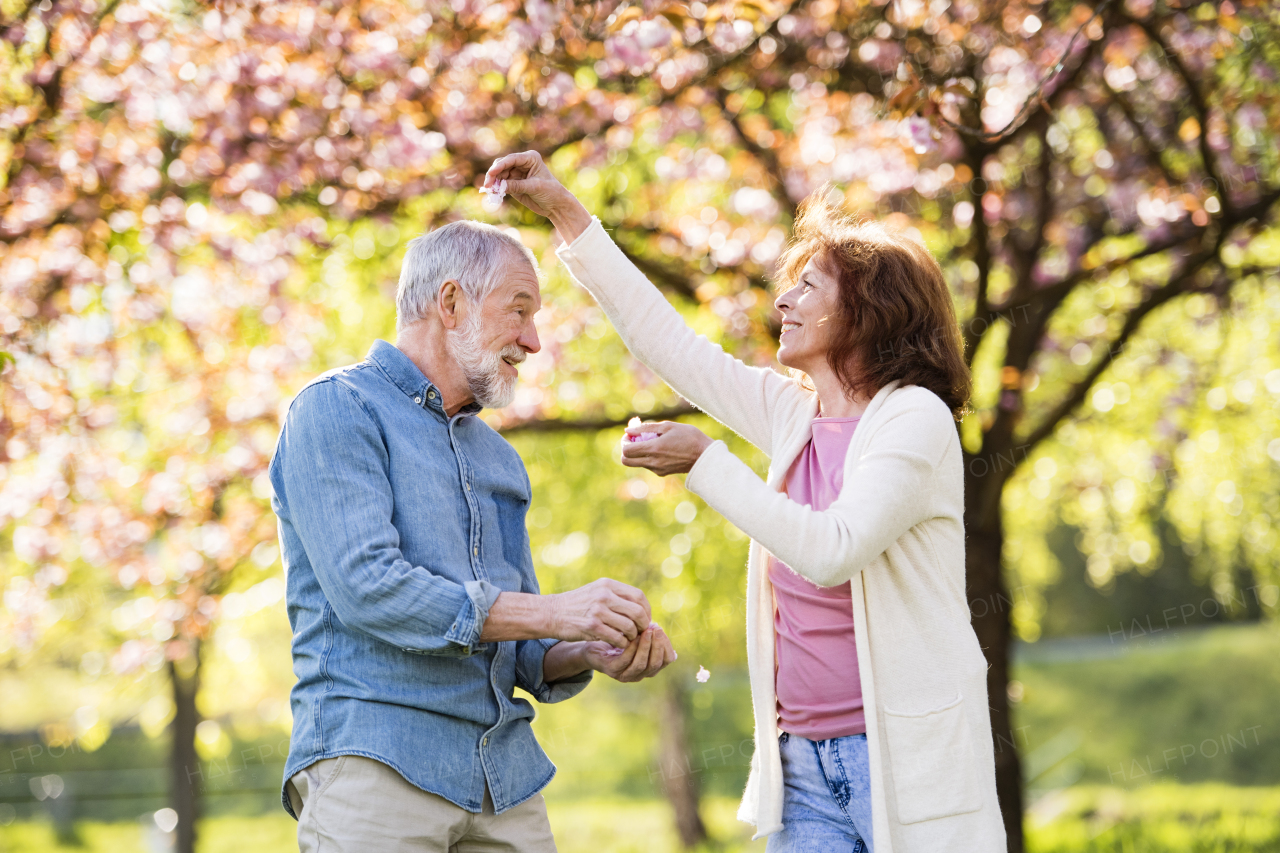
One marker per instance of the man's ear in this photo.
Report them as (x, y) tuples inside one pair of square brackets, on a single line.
[(450, 302)]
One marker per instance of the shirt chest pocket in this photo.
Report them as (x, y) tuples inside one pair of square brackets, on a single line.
[(934, 766), (509, 519)]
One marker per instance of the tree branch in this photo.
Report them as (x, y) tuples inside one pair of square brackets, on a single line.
[(1198, 103), (545, 425), (1046, 299), (1133, 319), (1027, 255), (1036, 104), (51, 91), (1178, 284), (766, 157), (19, 18), (657, 272), (1154, 148), (980, 239)]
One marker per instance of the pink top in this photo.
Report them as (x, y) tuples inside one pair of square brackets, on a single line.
[(819, 691)]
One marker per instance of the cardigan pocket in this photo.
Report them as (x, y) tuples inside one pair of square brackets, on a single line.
[(932, 761)]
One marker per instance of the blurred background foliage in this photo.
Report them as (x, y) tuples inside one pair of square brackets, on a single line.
[(202, 206)]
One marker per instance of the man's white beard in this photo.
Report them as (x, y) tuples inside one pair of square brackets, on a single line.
[(482, 367)]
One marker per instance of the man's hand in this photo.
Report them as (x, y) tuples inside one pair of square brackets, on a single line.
[(531, 183), (644, 657), (606, 610), (674, 451)]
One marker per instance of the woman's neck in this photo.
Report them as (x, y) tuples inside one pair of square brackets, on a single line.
[(832, 400)]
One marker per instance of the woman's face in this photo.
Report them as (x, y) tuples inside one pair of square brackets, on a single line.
[(807, 317)]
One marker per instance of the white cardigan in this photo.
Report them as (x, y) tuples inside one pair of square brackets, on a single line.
[(896, 530)]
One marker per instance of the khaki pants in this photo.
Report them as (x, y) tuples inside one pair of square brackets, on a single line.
[(352, 803)]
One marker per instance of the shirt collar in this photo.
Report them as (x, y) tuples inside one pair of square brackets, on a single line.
[(401, 370)]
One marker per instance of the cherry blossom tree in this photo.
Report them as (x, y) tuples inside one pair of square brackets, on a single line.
[(200, 207)]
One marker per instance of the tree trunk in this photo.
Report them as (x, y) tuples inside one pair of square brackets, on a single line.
[(184, 764), (678, 780), (990, 605)]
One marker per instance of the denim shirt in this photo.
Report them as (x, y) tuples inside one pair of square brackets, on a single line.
[(399, 527)]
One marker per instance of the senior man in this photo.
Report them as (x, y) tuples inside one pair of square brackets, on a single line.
[(411, 590)]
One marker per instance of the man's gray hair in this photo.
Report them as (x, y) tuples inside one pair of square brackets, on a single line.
[(470, 253)]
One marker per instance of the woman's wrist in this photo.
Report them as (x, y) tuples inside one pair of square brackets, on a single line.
[(695, 473), (570, 218)]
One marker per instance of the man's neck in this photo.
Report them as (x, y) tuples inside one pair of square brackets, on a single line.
[(428, 350)]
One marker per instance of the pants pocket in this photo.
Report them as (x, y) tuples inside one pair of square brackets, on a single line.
[(933, 765)]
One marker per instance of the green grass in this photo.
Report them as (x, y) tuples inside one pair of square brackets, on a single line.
[(38, 837), (580, 826), (272, 833), (1163, 818), (631, 826), (1194, 707), (1146, 747)]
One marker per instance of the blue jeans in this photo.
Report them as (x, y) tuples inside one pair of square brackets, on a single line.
[(826, 802)]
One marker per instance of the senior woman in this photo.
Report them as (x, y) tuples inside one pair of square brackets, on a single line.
[(869, 687)]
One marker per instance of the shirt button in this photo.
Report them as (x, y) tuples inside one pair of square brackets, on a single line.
[(475, 550), (431, 395), (417, 400), (485, 742), (468, 487)]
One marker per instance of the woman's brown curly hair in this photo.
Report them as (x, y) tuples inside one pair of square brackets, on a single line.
[(895, 309)]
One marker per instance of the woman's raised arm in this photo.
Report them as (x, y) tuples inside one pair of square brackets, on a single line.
[(742, 397)]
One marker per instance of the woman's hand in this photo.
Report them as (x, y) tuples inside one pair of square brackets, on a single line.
[(674, 451), (531, 183), (644, 657)]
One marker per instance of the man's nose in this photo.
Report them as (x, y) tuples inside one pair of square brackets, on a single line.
[(528, 339)]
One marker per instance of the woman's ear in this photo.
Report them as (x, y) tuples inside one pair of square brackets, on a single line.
[(449, 303)]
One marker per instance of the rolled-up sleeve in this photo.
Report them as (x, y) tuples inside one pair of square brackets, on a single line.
[(529, 655), (337, 495)]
